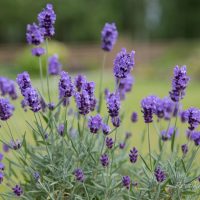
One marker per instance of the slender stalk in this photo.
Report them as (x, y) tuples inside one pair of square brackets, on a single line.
[(86, 191), (149, 146), (41, 75), (47, 74), (100, 83), (10, 132)]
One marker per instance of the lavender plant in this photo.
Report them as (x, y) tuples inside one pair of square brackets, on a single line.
[(77, 152)]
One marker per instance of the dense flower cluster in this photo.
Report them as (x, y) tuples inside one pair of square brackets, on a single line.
[(6, 109), (167, 134), (78, 173), (134, 117), (126, 181), (184, 148), (123, 63), (104, 160), (38, 51), (17, 190), (54, 65), (106, 129), (113, 104), (193, 117), (179, 83), (109, 143), (159, 174), (133, 155), (95, 123), (109, 36), (79, 81)]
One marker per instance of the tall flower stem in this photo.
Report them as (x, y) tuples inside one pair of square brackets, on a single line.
[(47, 74), (149, 144), (41, 75), (101, 82), (86, 191)]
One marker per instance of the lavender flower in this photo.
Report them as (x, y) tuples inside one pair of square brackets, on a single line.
[(160, 175), (134, 117), (133, 155), (32, 99), (167, 134), (47, 20), (183, 116), (122, 145), (179, 83), (6, 109), (5, 148), (79, 81), (79, 175), (17, 190), (193, 115), (66, 87), (106, 129), (36, 176), (95, 123), (109, 36), (54, 65), (148, 108), (123, 63), (113, 104), (104, 160), (24, 82), (51, 106), (1, 156), (61, 129), (38, 51), (15, 144), (116, 121), (109, 143), (34, 34), (126, 181), (1, 177), (2, 166), (194, 136), (83, 102), (184, 148)]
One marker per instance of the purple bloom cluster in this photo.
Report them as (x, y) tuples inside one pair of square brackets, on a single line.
[(167, 134), (125, 85), (134, 117), (148, 105), (78, 173), (79, 81), (66, 87), (8, 87), (17, 190), (61, 129), (6, 109), (38, 51), (133, 155), (109, 143), (32, 99), (183, 116), (5, 148), (179, 83), (104, 160), (54, 65), (193, 117), (184, 148), (123, 63), (113, 104), (194, 136), (160, 175), (2, 166), (34, 34), (126, 181), (46, 20), (95, 123), (106, 129), (116, 121), (109, 36)]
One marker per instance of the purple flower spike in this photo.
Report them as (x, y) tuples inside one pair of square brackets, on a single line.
[(78, 173), (95, 123), (109, 143), (24, 82), (167, 134), (32, 99), (54, 65), (193, 116), (66, 87), (113, 104), (2, 166), (17, 190), (1, 177), (126, 182), (5, 148), (51, 106), (116, 121), (83, 102), (36, 176), (106, 129), (1, 156), (148, 105), (124, 63), (34, 34), (79, 81), (184, 149), (134, 117), (183, 116), (179, 83), (46, 20), (6, 109), (160, 175), (104, 160), (133, 155), (61, 129), (109, 36), (38, 51)]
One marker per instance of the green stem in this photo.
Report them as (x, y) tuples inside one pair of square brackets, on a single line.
[(41, 75), (86, 191), (149, 146)]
